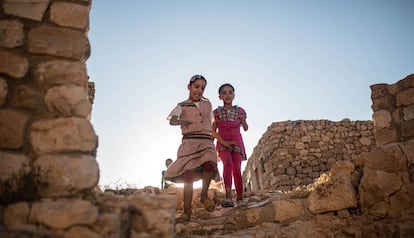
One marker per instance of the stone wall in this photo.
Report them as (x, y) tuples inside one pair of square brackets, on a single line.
[(387, 184), (46, 140), (48, 166), (295, 153), (393, 106)]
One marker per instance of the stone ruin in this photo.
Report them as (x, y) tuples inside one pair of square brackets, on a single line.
[(49, 172), (291, 154)]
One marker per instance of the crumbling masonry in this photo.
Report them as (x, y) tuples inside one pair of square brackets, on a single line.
[(49, 171)]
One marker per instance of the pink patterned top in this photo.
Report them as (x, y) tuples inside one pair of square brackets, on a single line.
[(228, 125)]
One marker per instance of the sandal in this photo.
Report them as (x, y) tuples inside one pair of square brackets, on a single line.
[(227, 203), (241, 203), (183, 218), (208, 204)]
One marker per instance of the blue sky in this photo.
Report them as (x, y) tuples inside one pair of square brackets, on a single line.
[(288, 60)]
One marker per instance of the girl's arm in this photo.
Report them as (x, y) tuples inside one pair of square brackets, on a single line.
[(174, 121), (244, 123), (242, 118)]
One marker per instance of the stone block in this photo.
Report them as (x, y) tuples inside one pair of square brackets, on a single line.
[(408, 82), (30, 9), (63, 135), (290, 171), (386, 136), (11, 33), (389, 158), (365, 141), (386, 102), (375, 187), (288, 210), (149, 207), (405, 97), (26, 96), (382, 119), (108, 223), (63, 213), (70, 15), (60, 72), (408, 113), (334, 195), (407, 129), (68, 100), (13, 64), (12, 129), (16, 215), (378, 90), (67, 175), (57, 41), (12, 166), (342, 167)]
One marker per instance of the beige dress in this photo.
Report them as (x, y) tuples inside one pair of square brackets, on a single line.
[(197, 145)]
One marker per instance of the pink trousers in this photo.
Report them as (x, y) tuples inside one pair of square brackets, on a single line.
[(232, 169)]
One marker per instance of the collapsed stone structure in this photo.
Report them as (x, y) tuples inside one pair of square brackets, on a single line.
[(49, 171), (291, 154)]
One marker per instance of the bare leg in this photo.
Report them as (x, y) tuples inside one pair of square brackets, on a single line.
[(207, 177), (188, 198)]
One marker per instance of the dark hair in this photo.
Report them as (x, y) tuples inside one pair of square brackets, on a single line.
[(225, 85), (197, 77)]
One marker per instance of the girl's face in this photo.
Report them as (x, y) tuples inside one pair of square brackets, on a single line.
[(227, 95), (196, 90)]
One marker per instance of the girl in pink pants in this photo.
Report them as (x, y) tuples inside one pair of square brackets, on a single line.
[(227, 122)]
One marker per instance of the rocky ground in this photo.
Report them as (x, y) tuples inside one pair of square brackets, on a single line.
[(267, 214)]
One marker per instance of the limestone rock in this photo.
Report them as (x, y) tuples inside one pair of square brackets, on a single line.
[(30, 9), (57, 41), (13, 64), (67, 174), (288, 210), (26, 96), (342, 167), (382, 119), (336, 194), (70, 15), (405, 97), (11, 33), (63, 135), (108, 224), (63, 213), (12, 165), (68, 100), (12, 129), (146, 214), (16, 215), (60, 72)]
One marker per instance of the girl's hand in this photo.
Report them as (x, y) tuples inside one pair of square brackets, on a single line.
[(174, 121), (228, 144)]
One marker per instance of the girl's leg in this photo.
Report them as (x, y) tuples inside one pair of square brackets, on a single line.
[(225, 157), (188, 198), (238, 179), (208, 174)]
